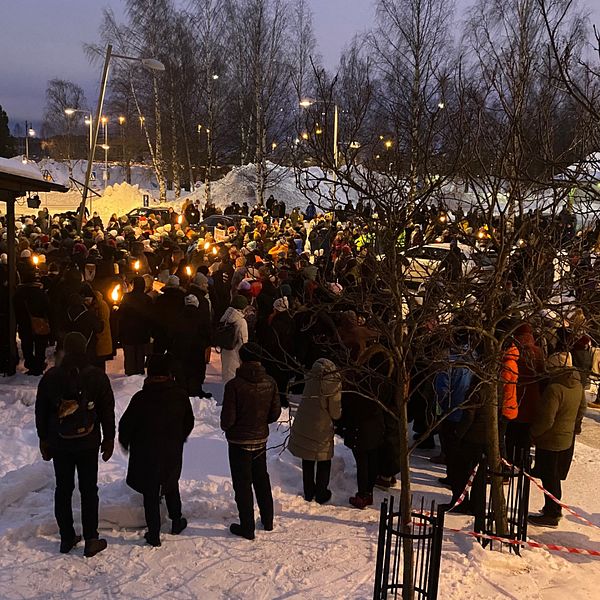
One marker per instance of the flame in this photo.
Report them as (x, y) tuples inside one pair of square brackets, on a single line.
[(136, 265), (215, 250), (180, 219), (36, 260), (116, 293), (188, 271), (206, 245)]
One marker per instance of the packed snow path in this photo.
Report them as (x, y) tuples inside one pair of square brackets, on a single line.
[(314, 551)]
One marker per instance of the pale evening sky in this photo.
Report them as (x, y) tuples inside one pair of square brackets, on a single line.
[(42, 39)]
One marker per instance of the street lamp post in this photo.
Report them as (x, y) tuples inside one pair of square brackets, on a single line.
[(105, 147), (148, 63), (29, 132)]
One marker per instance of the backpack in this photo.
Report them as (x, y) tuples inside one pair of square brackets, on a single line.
[(76, 415), (225, 336)]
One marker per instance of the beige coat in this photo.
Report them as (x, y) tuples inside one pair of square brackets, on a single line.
[(311, 436)]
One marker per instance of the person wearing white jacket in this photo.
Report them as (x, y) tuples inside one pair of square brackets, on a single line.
[(230, 359)]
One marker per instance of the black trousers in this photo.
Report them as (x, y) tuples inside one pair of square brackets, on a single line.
[(135, 359), (152, 508), (315, 487), (34, 352), (518, 441), (552, 468), (366, 470), (85, 462), (249, 470), (450, 444)]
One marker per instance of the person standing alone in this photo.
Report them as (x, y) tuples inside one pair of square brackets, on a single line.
[(250, 403), (75, 418)]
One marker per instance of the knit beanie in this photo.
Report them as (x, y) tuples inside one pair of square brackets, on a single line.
[(239, 302), (250, 352), (74, 343)]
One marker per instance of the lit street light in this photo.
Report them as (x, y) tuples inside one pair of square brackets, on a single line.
[(87, 120)]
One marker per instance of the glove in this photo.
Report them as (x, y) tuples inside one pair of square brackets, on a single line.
[(107, 447), (45, 450)]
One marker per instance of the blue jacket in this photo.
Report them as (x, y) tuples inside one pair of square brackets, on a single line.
[(451, 387)]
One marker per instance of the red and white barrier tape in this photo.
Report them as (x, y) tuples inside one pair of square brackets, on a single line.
[(545, 491), (469, 485), (530, 543)]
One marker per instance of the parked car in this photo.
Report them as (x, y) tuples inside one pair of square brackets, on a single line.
[(423, 261), (158, 211), (226, 220)]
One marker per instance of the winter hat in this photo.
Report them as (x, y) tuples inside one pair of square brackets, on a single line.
[(239, 302), (285, 289), (244, 286), (250, 352), (281, 304), (191, 300), (172, 281), (559, 360), (159, 365), (139, 284), (26, 254), (201, 281), (75, 343)]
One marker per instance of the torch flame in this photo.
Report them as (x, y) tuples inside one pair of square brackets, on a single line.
[(180, 219), (136, 265), (36, 260), (188, 271), (116, 293), (215, 250), (206, 245)]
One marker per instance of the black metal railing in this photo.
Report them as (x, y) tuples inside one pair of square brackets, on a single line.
[(426, 532), (517, 503)]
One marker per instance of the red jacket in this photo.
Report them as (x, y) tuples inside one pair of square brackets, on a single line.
[(510, 376)]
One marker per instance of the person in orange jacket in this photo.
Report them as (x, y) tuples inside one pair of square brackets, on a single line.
[(509, 376)]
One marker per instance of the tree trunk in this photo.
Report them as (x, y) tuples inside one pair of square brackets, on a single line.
[(490, 396), (405, 489), (186, 144), (159, 164), (174, 143)]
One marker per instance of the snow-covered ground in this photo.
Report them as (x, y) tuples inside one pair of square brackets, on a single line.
[(314, 551)]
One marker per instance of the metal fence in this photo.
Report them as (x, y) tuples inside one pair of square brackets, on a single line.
[(517, 503), (426, 532)]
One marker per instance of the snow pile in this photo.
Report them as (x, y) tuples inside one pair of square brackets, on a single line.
[(119, 198)]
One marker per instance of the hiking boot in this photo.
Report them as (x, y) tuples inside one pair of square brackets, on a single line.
[(544, 520), (67, 545), (464, 508), (360, 501), (206, 395), (385, 483), (324, 497), (440, 459), (178, 525), (236, 529), (93, 547), (152, 539)]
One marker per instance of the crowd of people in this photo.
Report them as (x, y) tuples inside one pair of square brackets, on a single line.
[(269, 293)]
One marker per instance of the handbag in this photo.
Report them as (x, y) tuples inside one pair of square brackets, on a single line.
[(39, 325)]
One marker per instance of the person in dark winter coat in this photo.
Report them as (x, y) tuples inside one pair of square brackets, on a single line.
[(31, 303), (167, 308), (83, 319), (135, 320), (250, 403), (363, 427), (153, 429), (187, 344), (277, 341), (75, 418)]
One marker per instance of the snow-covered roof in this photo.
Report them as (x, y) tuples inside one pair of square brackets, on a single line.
[(15, 166), (17, 177)]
